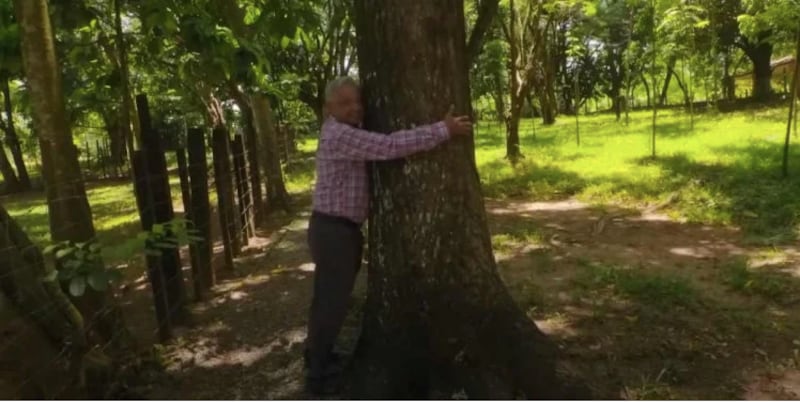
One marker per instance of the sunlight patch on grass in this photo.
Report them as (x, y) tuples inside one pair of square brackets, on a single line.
[(725, 171)]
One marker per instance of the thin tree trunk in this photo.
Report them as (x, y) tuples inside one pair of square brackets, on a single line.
[(792, 107), (251, 144), (655, 83), (662, 100), (12, 139), (277, 196), (127, 110), (646, 89), (438, 318), (9, 176), (513, 152)]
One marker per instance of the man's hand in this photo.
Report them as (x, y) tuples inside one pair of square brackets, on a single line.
[(457, 125)]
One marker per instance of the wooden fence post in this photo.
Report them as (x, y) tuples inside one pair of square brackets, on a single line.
[(251, 146), (154, 273), (243, 188), (155, 207), (203, 274), (225, 198)]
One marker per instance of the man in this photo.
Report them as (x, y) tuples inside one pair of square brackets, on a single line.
[(341, 206)]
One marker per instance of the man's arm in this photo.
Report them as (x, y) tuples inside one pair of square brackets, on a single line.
[(346, 142)]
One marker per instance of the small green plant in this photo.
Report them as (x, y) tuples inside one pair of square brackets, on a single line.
[(654, 289), (167, 236), (80, 265), (769, 285)]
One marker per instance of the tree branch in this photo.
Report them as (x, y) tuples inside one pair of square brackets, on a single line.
[(486, 13)]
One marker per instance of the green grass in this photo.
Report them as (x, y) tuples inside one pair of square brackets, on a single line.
[(116, 218), (774, 286), (652, 289), (725, 171)]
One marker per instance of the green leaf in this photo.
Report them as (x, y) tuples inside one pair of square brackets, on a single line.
[(50, 276), (64, 252), (252, 14), (98, 281), (50, 249), (77, 286), (158, 228), (64, 275)]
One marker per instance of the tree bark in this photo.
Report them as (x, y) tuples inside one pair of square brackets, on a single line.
[(486, 13), (251, 144), (9, 176), (23, 290), (116, 139), (69, 211), (277, 196), (12, 139), (792, 106), (70, 216), (130, 135), (438, 318), (513, 152), (662, 100), (760, 54)]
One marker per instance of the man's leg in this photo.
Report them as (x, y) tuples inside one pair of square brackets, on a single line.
[(336, 252)]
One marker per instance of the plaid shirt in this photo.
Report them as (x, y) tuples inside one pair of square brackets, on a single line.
[(342, 187)]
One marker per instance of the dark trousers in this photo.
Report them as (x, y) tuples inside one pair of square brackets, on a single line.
[(336, 246)]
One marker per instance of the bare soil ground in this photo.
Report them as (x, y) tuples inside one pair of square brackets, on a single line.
[(642, 306)]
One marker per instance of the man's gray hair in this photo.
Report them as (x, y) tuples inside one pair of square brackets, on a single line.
[(337, 83)]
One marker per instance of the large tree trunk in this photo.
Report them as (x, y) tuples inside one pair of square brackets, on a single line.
[(760, 54), (12, 139), (438, 319), (38, 322), (70, 216), (69, 212), (277, 196)]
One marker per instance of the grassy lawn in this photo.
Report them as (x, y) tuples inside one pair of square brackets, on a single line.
[(726, 171)]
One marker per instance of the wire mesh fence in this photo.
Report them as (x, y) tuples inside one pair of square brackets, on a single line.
[(63, 333)]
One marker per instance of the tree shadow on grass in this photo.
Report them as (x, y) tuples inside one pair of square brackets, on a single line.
[(748, 192), (646, 308)]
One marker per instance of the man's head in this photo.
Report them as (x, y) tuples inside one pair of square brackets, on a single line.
[(343, 101)]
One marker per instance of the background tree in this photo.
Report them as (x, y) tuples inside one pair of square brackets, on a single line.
[(10, 69)]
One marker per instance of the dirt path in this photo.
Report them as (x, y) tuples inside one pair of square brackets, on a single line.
[(644, 306)]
